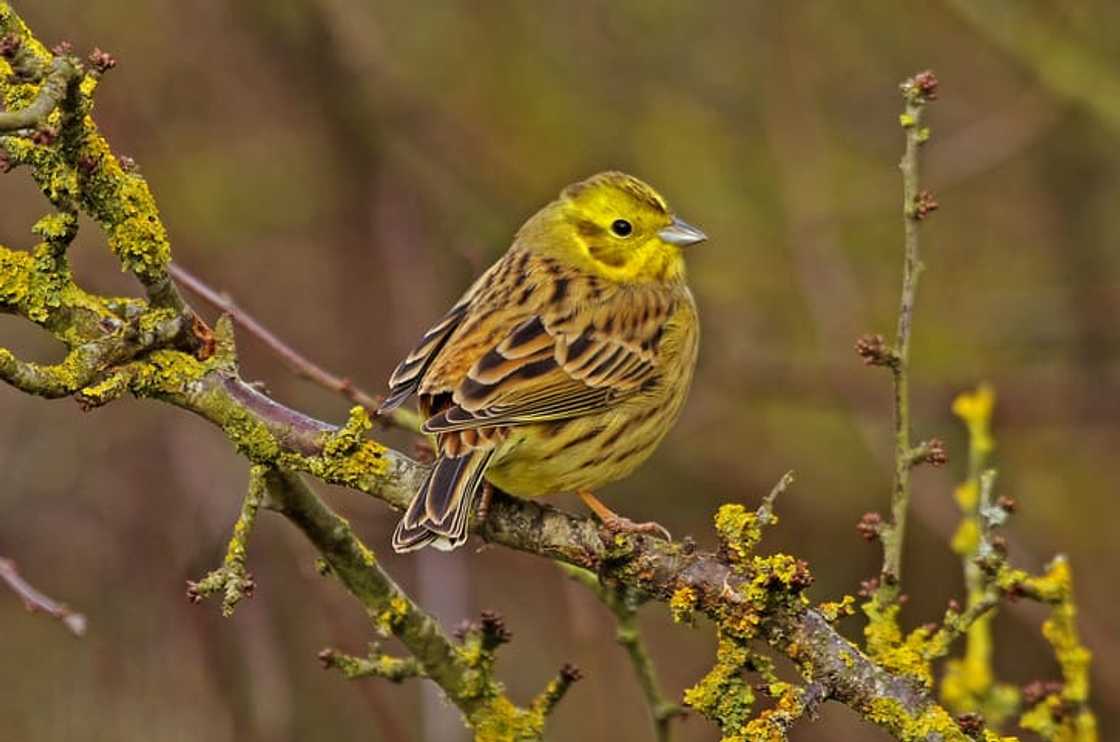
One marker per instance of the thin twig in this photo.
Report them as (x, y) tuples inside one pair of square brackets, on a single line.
[(376, 665), (623, 604), (37, 602), (299, 364), (232, 579), (917, 91), (766, 509)]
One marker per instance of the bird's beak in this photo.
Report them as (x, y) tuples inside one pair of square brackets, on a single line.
[(681, 233)]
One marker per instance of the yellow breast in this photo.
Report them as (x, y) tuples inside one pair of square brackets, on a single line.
[(585, 453)]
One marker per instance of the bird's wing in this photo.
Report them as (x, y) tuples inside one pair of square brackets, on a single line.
[(415, 369), (410, 372), (571, 358)]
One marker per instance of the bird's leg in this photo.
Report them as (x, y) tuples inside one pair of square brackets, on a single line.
[(484, 500), (616, 523)]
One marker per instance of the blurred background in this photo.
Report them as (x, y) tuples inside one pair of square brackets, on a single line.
[(345, 168)]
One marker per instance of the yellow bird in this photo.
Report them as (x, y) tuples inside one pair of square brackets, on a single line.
[(562, 367)]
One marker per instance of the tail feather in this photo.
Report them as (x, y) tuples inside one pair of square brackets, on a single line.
[(440, 512)]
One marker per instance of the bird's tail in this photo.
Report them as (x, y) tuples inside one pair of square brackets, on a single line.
[(440, 512)]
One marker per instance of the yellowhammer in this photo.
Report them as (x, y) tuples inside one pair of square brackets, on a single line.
[(562, 367)]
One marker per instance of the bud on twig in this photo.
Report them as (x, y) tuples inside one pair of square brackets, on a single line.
[(930, 452), (922, 87), (101, 61), (493, 627), (9, 45), (925, 204), (1038, 690), (971, 724), (869, 526), (874, 351), (569, 673)]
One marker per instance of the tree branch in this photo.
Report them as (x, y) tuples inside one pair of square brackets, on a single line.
[(464, 673), (298, 363), (917, 92), (36, 602), (376, 665), (62, 73)]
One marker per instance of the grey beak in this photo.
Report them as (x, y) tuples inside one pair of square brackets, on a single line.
[(681, 233)]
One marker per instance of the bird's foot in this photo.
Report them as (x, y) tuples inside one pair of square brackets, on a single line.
[(619, 524), (615, 523)]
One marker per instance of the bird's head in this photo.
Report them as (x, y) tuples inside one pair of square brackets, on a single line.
[(619, 228)]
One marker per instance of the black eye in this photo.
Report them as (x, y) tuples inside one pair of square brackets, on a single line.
[(621, 227)]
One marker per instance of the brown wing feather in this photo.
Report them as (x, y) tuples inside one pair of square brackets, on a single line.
[(512, 351), (420, 367), (410, 372), (563, 362)]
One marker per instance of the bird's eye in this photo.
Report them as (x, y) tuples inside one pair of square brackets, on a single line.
[(621, 227)]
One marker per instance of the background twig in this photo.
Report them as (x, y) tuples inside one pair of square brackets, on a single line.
[(37, 602), (294, 360), (623, 603), (916, 204)]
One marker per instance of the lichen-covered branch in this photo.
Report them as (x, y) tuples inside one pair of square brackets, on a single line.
[(376, 665), (969, 684), (55, 86), (232, 579), (464, 671), (294, 360)]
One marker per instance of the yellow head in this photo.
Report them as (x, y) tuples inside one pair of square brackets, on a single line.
[(615, 226)]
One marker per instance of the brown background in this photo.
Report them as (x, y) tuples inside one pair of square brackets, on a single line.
[(345, 168)]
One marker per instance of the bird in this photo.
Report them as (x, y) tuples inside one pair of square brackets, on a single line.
[(561, 368)]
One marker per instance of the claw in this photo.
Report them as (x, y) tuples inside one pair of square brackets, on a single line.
[(620, 524), (615, 523)]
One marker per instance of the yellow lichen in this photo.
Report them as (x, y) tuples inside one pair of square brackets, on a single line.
[(967, 495), (350, 435), (723, 695), (682, 603), (389, 616), (368, 557), (739, 530), (966, 540), (501, 721), (833, 610), (771, 724), (930, 722), (56, 226), (1056, 721), (1063, 717), (975, 409)]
